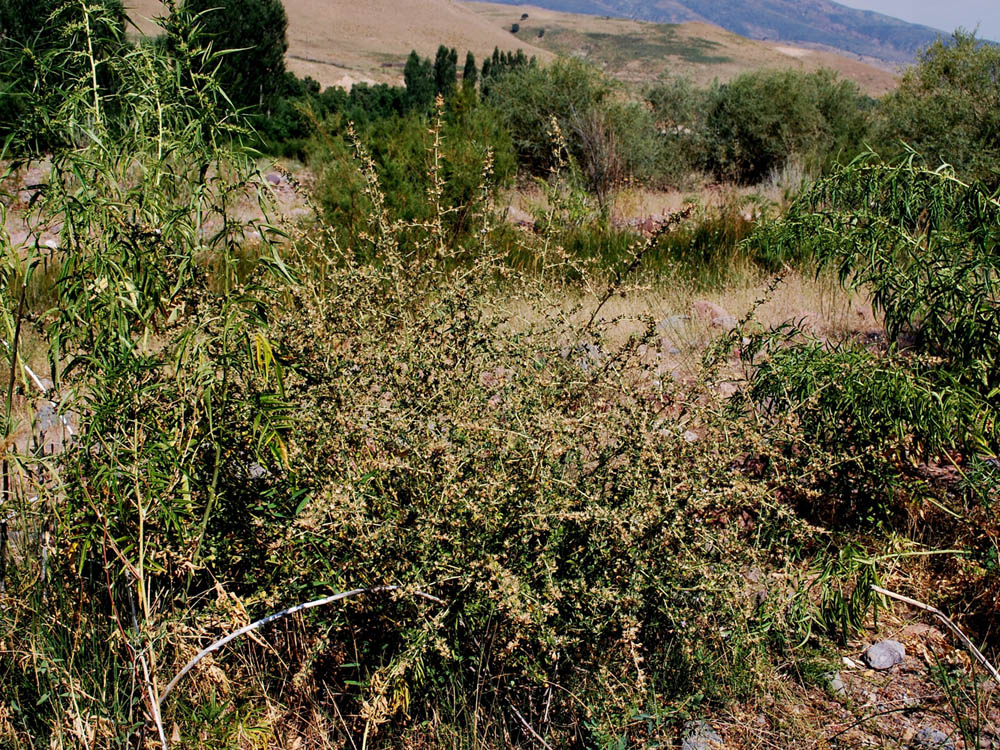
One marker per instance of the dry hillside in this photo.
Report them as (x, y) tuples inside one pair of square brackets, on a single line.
[(639, 51), (343, 41), (339, 42)]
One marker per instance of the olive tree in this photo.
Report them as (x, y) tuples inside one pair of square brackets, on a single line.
[(947, 107)]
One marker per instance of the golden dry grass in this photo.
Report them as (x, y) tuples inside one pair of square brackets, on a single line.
[(341, 43), (639, 52), (819, 306)]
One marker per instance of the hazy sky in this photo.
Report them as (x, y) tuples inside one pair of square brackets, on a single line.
[(941, 14)]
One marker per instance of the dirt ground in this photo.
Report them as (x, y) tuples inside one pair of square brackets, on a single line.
[(339, 43)]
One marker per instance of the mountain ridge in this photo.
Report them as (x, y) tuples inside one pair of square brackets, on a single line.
[(819, 23), (639, 53)]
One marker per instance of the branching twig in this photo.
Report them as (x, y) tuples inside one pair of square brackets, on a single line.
[(277, 616), (950, 625), (531, 731), (884, 712), (671, 221), (154, 704)]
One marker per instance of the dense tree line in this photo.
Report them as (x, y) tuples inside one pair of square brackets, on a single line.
[(946, 109), (286, 128), (750, 129)]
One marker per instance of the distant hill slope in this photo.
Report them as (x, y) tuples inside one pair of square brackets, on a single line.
[(812, 22), (639, 52), (340, 42)]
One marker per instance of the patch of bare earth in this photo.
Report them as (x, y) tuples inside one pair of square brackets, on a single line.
[(340, 43), (640, 52)]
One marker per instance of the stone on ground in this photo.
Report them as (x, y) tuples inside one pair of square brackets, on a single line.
[(931, 739), (885, 655), (718, 316), (699, 735)]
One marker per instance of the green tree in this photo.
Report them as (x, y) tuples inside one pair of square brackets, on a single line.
[(253, 74), (445, 70), (418, 76), (609, 139), (470, 73), (760, 121), (947, 107), (679, 109)]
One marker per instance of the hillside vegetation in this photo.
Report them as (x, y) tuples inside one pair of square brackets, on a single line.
[(640, 52), (337, 42), (334, 44), (828, 25)]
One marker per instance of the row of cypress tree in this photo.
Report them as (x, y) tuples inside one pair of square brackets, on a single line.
[(425, 79)]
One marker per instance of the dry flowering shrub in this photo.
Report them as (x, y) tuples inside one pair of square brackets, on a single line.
[(541, 489)]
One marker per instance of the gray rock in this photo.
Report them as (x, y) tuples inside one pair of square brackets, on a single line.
[(931, 739), (257, 471), (668, 347), (836, 684), (699, 735), (674, 323), (46, 417), (885, 655), (584, 355), (712, 313), (595, 352)]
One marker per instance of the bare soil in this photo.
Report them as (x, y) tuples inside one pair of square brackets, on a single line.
[(640, 52), (340, 43)]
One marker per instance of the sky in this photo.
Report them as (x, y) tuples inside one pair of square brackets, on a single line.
[(941, 14)]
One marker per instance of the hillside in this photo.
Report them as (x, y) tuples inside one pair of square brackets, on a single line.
[(337, 44), (817, 23), (640, 51)]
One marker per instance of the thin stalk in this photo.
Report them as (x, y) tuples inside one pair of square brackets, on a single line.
[(93, 64), (13, 361), (277, 616), (5, 468), (3, 542), (154, 703), (962, 637), (214, 485)]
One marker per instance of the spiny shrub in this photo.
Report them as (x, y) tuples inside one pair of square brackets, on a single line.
[(526, 474)]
